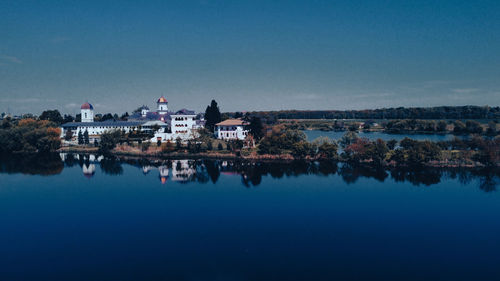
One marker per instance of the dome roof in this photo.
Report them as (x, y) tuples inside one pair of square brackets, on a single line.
[(87, 106), (162, 99)]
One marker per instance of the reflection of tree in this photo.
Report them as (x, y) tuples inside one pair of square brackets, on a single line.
[(252, 176), (111, 166), (70, 160), (252, 173), (417, 176), (299, 167), (43, 164), (212, 168), (487, 183), (348, 173), (81, 158), (327, 168)]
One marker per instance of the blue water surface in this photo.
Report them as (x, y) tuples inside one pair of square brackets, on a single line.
[(336, 135), (86, 221)]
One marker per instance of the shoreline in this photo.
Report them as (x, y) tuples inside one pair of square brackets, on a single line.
[(253, 157)]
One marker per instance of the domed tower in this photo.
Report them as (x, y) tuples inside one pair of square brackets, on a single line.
[(87, 111), (162, 104)]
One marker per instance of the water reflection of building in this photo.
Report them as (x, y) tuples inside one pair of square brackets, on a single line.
[(147, 169), (88, 170), (182, 170), (87, 162), (163, 174)]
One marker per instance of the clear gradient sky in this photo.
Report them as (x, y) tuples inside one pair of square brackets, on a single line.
[(248, 55)]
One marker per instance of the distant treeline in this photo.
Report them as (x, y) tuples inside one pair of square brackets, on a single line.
[(440, 112)]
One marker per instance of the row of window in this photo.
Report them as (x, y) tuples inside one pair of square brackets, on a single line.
[(232, 134), (223, 128)]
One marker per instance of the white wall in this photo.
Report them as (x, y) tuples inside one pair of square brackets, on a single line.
[(97, 130), (162, 107), (87, 115), (231, 132), (182, 124)]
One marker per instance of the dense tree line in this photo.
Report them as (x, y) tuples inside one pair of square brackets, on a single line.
[(281, 140), (440, 112), (29, 135), (414, 125)]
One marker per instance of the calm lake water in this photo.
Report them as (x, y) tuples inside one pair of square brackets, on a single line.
[(336, 135), (89, 218)]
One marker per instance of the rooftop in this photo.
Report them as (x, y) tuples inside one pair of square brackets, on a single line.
[(162, 99), (185, 112), (110, 123), (87, 106), (232, 122)]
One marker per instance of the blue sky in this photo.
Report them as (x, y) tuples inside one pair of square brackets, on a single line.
[(248, 55)]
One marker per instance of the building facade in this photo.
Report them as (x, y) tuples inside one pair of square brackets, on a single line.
[(165, 125), (231, 129)]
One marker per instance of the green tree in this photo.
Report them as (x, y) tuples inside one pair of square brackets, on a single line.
[(68, 135), (124, 116), (441, 126), (80, 137), (492, 129), (68, 118), (391, 144), (212, 115), (378, 151), (459, 127), (109, 141), (473, 127), (327, 148), (52, 115), (256, 128), (86, 139), (178, 143), (348, 138), (107, 116)]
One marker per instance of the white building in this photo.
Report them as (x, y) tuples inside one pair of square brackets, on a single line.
[(162, 105), (164, 124), (182, 125), (183, 122), (154, 126), (95, 129), (182, 170), (231, 129), (87, 111)]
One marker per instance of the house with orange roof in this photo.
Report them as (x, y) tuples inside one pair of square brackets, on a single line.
[(232, 129)]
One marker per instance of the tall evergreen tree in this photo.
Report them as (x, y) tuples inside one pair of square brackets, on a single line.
[(86, 139), (212, 115), (256, 128), (80, 137)]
